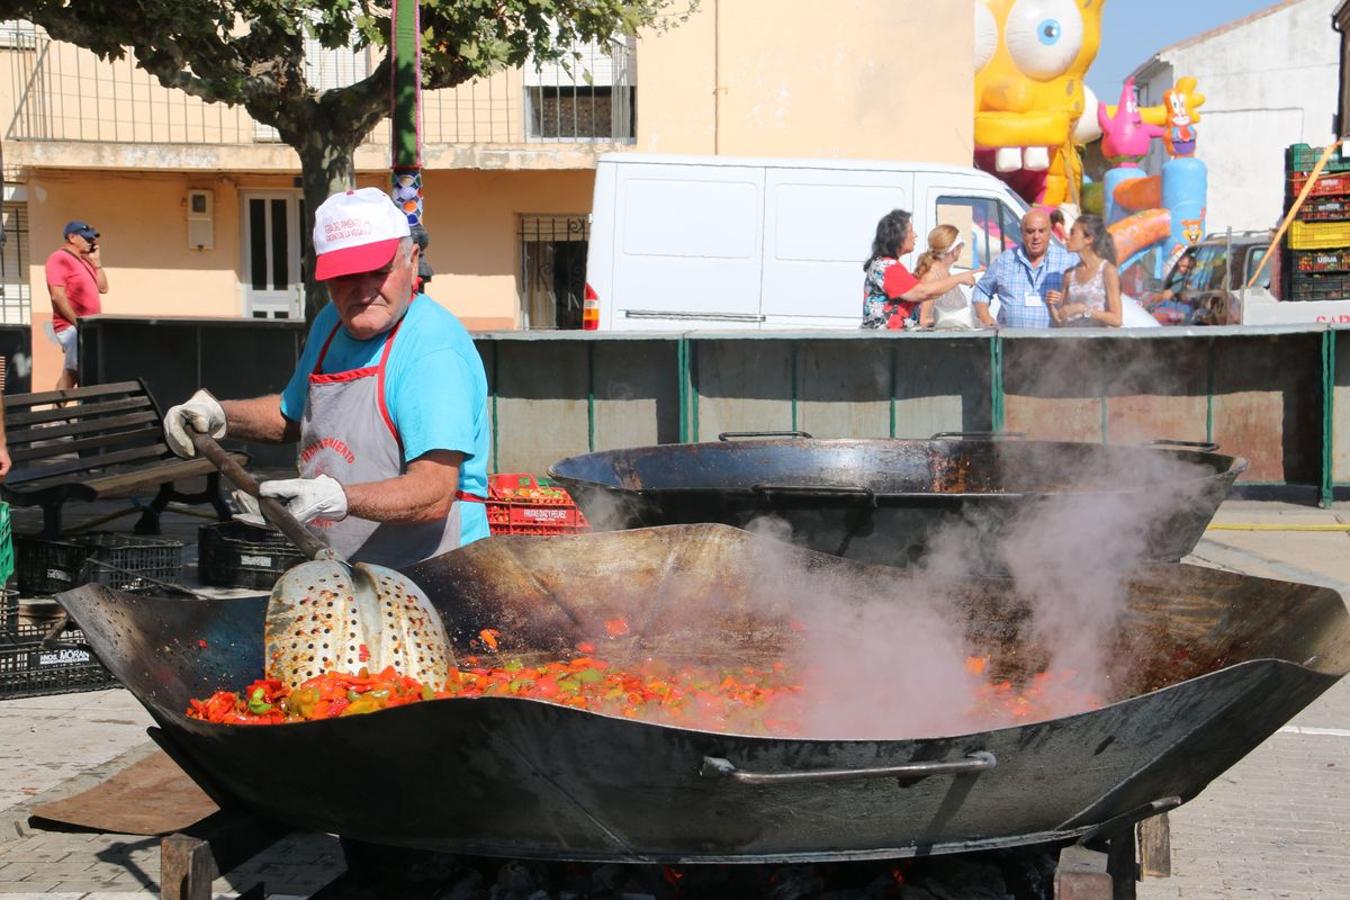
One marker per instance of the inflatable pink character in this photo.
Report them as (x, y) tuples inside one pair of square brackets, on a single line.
[(1125, 135)]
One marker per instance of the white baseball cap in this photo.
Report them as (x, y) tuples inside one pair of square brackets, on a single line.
[(357, 231)]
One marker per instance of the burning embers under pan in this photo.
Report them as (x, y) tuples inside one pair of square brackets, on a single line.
[(1201, 666), (888, 501)]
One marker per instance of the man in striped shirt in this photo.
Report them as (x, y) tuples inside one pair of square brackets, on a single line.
[(1022, 277)]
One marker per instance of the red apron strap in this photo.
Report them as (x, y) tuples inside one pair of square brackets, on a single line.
[(318, 364), (379, 384), (469, 498)]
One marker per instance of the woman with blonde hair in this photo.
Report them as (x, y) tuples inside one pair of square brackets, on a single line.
[(951, 308)]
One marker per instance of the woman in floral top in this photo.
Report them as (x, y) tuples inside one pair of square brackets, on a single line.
[(891, 293)]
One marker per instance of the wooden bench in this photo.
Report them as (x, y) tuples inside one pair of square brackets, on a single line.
[(103, 442)]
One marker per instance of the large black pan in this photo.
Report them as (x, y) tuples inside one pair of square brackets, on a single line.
[(889, 501), (1218, 663)]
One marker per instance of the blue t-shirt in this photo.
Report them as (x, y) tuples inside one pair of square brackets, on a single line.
[(435, 389)]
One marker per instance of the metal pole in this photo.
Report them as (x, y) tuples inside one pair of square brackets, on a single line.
[(590, 396), (996, 399), (1209, 392), (893, 386), (405, 54), (682, 373), (496, 389), (1327, 493), (1227, 262)]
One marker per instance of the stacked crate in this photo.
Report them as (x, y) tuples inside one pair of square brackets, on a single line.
[(519, 503), (1317, 245)]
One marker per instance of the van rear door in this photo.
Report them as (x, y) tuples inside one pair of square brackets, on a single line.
[(818, 230), (687, 246)]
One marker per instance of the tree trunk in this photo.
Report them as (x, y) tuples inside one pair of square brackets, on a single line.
[(327, 166)]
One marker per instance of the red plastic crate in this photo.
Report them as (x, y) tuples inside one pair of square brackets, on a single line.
[(549, 512), (1325, 209), (1327, 185)]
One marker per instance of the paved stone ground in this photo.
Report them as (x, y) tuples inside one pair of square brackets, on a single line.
[(1275, 825), (1278, 823)]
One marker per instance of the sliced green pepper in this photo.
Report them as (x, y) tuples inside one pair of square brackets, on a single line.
[(257, 702)]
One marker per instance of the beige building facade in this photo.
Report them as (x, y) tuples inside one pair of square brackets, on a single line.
[(200, 208)]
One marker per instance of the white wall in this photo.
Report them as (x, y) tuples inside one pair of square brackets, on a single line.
[(1268, 84)]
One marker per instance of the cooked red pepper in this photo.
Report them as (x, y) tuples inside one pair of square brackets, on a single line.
[(741, 699)]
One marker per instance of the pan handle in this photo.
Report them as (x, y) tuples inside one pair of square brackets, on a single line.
[(736, 435), (277, 514), (980, 436), (838, 491), (718, 767), (1202, 446)]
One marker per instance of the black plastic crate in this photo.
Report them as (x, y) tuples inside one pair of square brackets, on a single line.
[(122, 561), (237, 554), (1318, 286), (9, 612), (29, 669)]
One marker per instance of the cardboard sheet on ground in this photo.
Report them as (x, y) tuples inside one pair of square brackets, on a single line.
[(150, 797)]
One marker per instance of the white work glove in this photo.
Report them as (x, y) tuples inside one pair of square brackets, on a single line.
[(321, 497), (249, 512), (202, 413)]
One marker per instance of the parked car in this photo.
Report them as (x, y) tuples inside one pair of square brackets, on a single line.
[(1214, 291), (680, 242)]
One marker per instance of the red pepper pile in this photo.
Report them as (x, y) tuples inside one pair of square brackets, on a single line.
[(268, 702), (738, 699), (724, 699)]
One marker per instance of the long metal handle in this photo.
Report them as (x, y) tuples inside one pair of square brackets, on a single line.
[(856, 492), (717, 767), (734, 435), (275, 513), (980, 435), (953, 495), (1202, 446)]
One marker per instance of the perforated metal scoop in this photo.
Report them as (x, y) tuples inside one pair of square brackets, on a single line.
[(330, 615)]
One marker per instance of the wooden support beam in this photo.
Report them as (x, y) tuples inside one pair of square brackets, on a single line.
[(189, 862), (1082, 875), (1155, 847)]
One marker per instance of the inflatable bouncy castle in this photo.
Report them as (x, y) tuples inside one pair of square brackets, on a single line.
[(1031, 106), (1148, 213), (1033, 112)]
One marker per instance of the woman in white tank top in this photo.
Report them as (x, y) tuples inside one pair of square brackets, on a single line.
[(1091, 295)]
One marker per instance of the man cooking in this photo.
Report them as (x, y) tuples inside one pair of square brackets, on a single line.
[(388, 402), (1022, 277)]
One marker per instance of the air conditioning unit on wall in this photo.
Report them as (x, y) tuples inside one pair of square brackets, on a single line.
[(201, 225)]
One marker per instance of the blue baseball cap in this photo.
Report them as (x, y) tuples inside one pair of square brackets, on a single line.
[(83, 229)]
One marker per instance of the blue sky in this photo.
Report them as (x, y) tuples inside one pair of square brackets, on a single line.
[(1133, 30)]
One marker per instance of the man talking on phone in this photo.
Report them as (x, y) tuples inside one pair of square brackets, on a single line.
[(75, 279)]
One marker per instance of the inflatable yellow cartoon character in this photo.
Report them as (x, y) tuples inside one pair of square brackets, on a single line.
[(1030, 60)]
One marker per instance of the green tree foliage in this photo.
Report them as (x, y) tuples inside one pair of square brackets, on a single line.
[(250, 53)]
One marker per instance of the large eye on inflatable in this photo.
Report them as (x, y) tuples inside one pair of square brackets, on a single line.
[(986, 34), (1044, 36)]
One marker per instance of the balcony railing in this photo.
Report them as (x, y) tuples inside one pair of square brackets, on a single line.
[(58, 92)]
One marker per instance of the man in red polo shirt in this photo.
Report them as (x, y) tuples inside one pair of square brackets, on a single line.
[(75, 278)]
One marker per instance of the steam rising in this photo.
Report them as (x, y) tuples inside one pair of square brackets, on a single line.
[(877, 661)]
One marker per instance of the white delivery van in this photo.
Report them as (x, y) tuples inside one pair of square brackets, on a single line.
[(688, 242)]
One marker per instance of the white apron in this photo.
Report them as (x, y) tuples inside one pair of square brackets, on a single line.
[(347, 433)]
